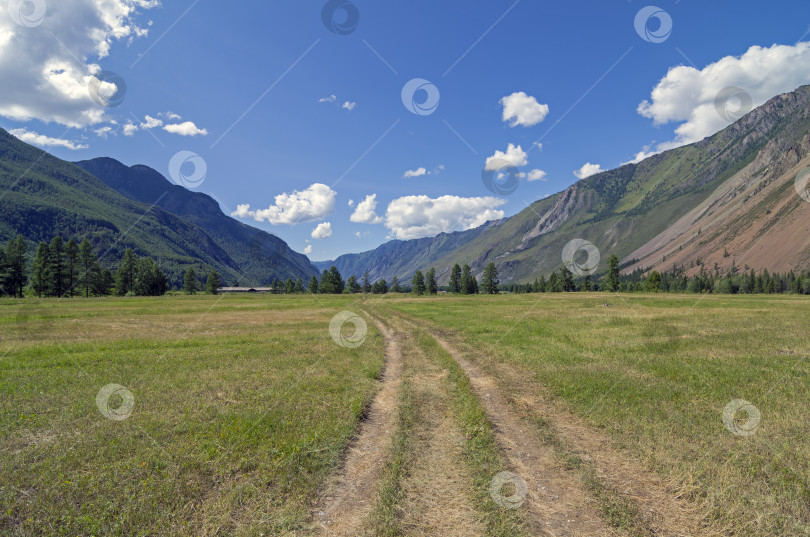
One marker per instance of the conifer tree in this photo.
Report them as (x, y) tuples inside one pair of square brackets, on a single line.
[(39, 271), (71, 266), (88, 265), (612, 277), (431, 286), (190, 284), (455, 279), (15, 261), (56, 267), (418, 283), (125, 275), (467, 282), (490, 282), (212, 283), (337, 281)]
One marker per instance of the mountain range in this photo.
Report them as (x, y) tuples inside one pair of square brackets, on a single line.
[(728, 200), (118, 207)]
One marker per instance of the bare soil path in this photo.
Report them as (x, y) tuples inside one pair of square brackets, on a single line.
[(350, 498), (437, 497), (557, 501), (661, 506)]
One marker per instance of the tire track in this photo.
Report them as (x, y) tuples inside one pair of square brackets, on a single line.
[(557, 502), (437, 497), (351, 497), (662, 509)]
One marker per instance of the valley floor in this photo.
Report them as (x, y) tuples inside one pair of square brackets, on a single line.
[(557, 414)]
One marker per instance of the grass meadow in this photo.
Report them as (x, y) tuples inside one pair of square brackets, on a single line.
[(242, 407), (656, 372), (237, 409)]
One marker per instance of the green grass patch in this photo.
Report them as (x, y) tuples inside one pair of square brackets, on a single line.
[(655, 372), (242, 407)]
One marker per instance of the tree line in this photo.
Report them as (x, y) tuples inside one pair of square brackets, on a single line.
[(462, 281), (733, 281), (67, 269)]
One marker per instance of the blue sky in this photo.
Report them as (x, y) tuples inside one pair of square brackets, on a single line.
[(241, 87)]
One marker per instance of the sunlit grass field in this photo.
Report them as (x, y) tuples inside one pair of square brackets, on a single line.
[(243, 405), (656, 372), (241, 408)]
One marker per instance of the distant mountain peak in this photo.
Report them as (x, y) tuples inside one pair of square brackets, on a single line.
[(645, 210)]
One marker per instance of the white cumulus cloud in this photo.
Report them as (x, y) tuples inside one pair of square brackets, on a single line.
[(41, 140), (187, 128), (534, 175), (308, 249), (151, 122), (421, 171), (103, 132), (514, 156), (313, 203), (46, 71), (418, 172), (689, 95), (347, 105), (322, 231), (522, 109), (412, 217), (587, 170), (364, 213)]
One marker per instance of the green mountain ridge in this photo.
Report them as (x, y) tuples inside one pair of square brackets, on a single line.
[(618, 210), (259, 255), (403, 257), (42, 196)]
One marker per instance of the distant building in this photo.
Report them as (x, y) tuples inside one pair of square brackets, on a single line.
[(244, 289)]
